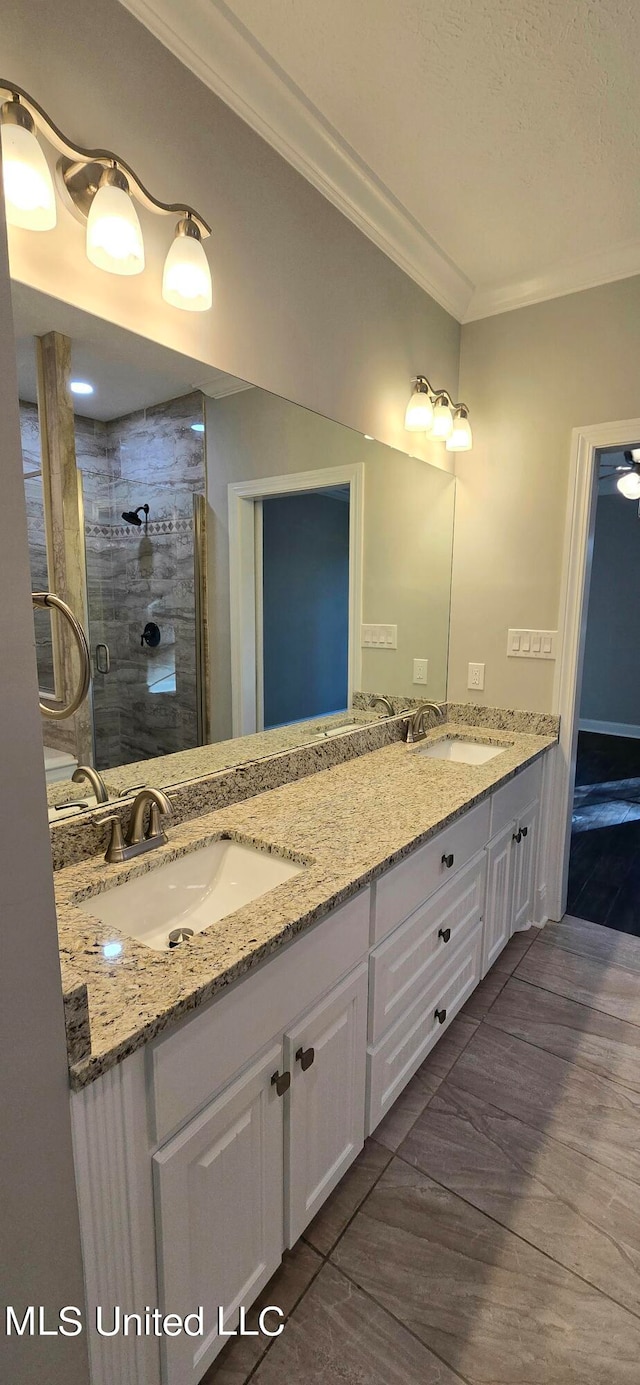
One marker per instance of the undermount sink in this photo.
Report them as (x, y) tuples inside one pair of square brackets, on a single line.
[(462, 752), (192, 892)]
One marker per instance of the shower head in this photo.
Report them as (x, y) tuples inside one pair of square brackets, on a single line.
[(133, 516)]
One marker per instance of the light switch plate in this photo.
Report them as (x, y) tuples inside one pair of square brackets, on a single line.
[(475, 677), (379, 636), (420, 671), (531, 644)]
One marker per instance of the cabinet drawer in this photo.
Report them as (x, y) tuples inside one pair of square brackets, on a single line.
[(392, 1062), (508, 802), (406, 886), (194, 1062), (404, 964)]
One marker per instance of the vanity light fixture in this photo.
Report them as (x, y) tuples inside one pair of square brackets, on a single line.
[(434, 412), (460, 438), (100, 190), (186, 281), (28, 185), (114, 233), (442, 426), (419, 412)]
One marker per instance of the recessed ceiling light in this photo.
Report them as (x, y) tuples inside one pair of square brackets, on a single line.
[(81, 387), (198, 427)]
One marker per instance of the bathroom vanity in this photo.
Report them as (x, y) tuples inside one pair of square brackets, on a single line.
[(228, 1085)]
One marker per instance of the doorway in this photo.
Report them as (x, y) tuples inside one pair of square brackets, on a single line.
[(594, 825), (304, 605), (295, 569), (604, 858)]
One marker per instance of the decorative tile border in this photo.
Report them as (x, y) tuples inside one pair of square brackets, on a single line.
[(123, 531)]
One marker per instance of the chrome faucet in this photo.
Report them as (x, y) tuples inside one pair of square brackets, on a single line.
[(386, 703), (416, 729), (136, 840), (94, 779)]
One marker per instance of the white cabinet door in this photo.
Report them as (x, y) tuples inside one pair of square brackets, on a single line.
[(326, 1055), (218, 1193), (524, 863), (498, 911)]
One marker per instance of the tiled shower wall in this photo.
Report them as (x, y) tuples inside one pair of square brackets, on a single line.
[(146, 704)]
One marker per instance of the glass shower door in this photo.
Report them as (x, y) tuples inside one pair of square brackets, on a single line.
[(144, 593)]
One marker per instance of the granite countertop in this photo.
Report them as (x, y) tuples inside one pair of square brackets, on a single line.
[(346, 825)]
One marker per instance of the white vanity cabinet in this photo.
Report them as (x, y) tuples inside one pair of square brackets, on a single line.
[(511, 861), (219, 1195), (326, 1056), (206, 1153)]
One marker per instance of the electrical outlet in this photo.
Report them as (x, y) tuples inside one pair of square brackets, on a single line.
[(420, 670), (476, 677)]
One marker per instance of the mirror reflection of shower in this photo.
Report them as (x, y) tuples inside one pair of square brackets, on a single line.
[(133, 517)]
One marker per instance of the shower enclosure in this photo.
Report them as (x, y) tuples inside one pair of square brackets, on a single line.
[(145, 581)]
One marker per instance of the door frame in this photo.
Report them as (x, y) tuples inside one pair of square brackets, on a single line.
[(572, 628), (243, 497)]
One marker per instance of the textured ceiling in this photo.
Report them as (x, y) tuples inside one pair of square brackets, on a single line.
[(510, 129)]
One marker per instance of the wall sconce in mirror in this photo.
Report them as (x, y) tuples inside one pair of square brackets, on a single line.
[(99, 189), (433, 412)]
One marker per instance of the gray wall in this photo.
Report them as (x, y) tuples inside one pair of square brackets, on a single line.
[(40, 1256), (529, 377), (611, 678)]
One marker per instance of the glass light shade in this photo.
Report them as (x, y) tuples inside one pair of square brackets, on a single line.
[(442, 426), (186, 281), (460, 439), (114, 234), (28, 186), (419, 413), (629, 485)]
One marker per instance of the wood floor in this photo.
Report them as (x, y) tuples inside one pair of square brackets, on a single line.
[(490, 1232), (604, 863)]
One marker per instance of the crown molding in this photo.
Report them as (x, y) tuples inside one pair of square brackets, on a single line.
[(216, 47), (620, 261)]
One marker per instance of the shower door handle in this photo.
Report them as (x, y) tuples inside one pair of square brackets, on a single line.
[(103, 658)]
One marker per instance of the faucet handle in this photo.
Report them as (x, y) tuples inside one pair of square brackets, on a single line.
[(115, 849), (154, 828)]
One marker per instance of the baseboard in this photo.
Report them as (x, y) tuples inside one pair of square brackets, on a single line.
[(611, 728)]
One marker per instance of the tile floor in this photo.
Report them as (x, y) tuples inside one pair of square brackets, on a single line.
[(490, 1232), (604, 865)]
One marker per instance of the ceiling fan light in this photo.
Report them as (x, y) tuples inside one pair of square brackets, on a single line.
[(28, 185), (114, 234), (186, 280), (629, 484)]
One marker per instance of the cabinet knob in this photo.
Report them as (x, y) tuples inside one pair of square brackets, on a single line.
[(445, 934), (305, 1057), (441, 1016), (524, 831), (517, 836), (447, 860), (281, 1081)]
